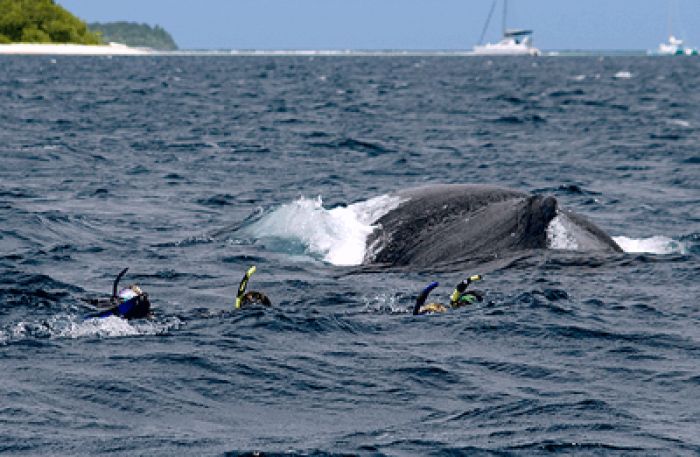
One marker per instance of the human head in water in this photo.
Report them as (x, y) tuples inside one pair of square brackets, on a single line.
[(245, 299), (460, 297), (128, 303), (255, 298)]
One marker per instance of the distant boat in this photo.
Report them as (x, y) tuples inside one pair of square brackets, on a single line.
[(515, 42), (675, 46)]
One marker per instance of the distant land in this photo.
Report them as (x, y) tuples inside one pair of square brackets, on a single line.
[(42, 21), (134, 35)]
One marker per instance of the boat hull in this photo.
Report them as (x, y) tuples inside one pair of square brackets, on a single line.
[(505, 50)]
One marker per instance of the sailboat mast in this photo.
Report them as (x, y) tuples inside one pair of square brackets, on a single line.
[(488, 20), (505, 13)]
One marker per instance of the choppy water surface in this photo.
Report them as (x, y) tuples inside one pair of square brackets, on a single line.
[(189, 169)]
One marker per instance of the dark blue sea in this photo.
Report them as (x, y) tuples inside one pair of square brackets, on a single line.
[(190, 169)]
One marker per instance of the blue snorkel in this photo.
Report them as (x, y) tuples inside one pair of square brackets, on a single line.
[(424, 296), (429, 288)]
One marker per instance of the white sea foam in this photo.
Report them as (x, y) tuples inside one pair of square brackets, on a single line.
[(113, 326), (679, 123), (338, 235), (623, 75), (652, 245), (69, 326), (385, 304), (559, 235)]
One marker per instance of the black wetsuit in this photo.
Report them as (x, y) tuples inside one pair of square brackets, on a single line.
[(135, 308)]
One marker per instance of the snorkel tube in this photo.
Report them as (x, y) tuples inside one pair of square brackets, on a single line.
[(130, 303), (423, 297), (243, 285), (462, 287), (116, 283)]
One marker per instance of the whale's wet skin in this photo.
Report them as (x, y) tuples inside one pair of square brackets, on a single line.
[(188, 170), (469, 225)]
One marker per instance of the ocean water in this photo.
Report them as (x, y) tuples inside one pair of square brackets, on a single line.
[(189, 169)]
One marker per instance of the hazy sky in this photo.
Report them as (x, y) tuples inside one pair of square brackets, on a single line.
[(400, 24)]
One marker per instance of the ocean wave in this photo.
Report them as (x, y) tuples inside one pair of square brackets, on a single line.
[(571, 353)]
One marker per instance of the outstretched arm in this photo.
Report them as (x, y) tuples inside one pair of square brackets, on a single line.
[(424, 296)]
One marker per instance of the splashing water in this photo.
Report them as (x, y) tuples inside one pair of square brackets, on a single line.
[(385, 304), (560, 236), (73, 327), (338, 235), (653, 245)]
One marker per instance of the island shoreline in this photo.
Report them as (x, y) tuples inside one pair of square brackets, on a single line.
[(111, 49)]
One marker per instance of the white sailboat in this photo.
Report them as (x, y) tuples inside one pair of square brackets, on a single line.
[(515, 42), (675, 46)]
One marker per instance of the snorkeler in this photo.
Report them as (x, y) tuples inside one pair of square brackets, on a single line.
[(245, 299), (460, 297), (129, 303)]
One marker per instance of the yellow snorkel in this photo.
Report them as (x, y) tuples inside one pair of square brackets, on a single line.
[(462, 286), (243, 285)]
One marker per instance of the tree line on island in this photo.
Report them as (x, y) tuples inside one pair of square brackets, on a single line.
[(133, 34), (41, 21), (44, 21)]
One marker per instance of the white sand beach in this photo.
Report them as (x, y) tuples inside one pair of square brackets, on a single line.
[(112, 49)]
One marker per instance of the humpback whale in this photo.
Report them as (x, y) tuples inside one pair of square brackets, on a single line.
[(463, 223)]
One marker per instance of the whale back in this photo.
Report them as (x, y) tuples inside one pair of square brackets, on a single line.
[(462, 223)]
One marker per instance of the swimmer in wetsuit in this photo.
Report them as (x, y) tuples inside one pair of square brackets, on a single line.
[(129, 303), (460, 297), (246, 299)]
